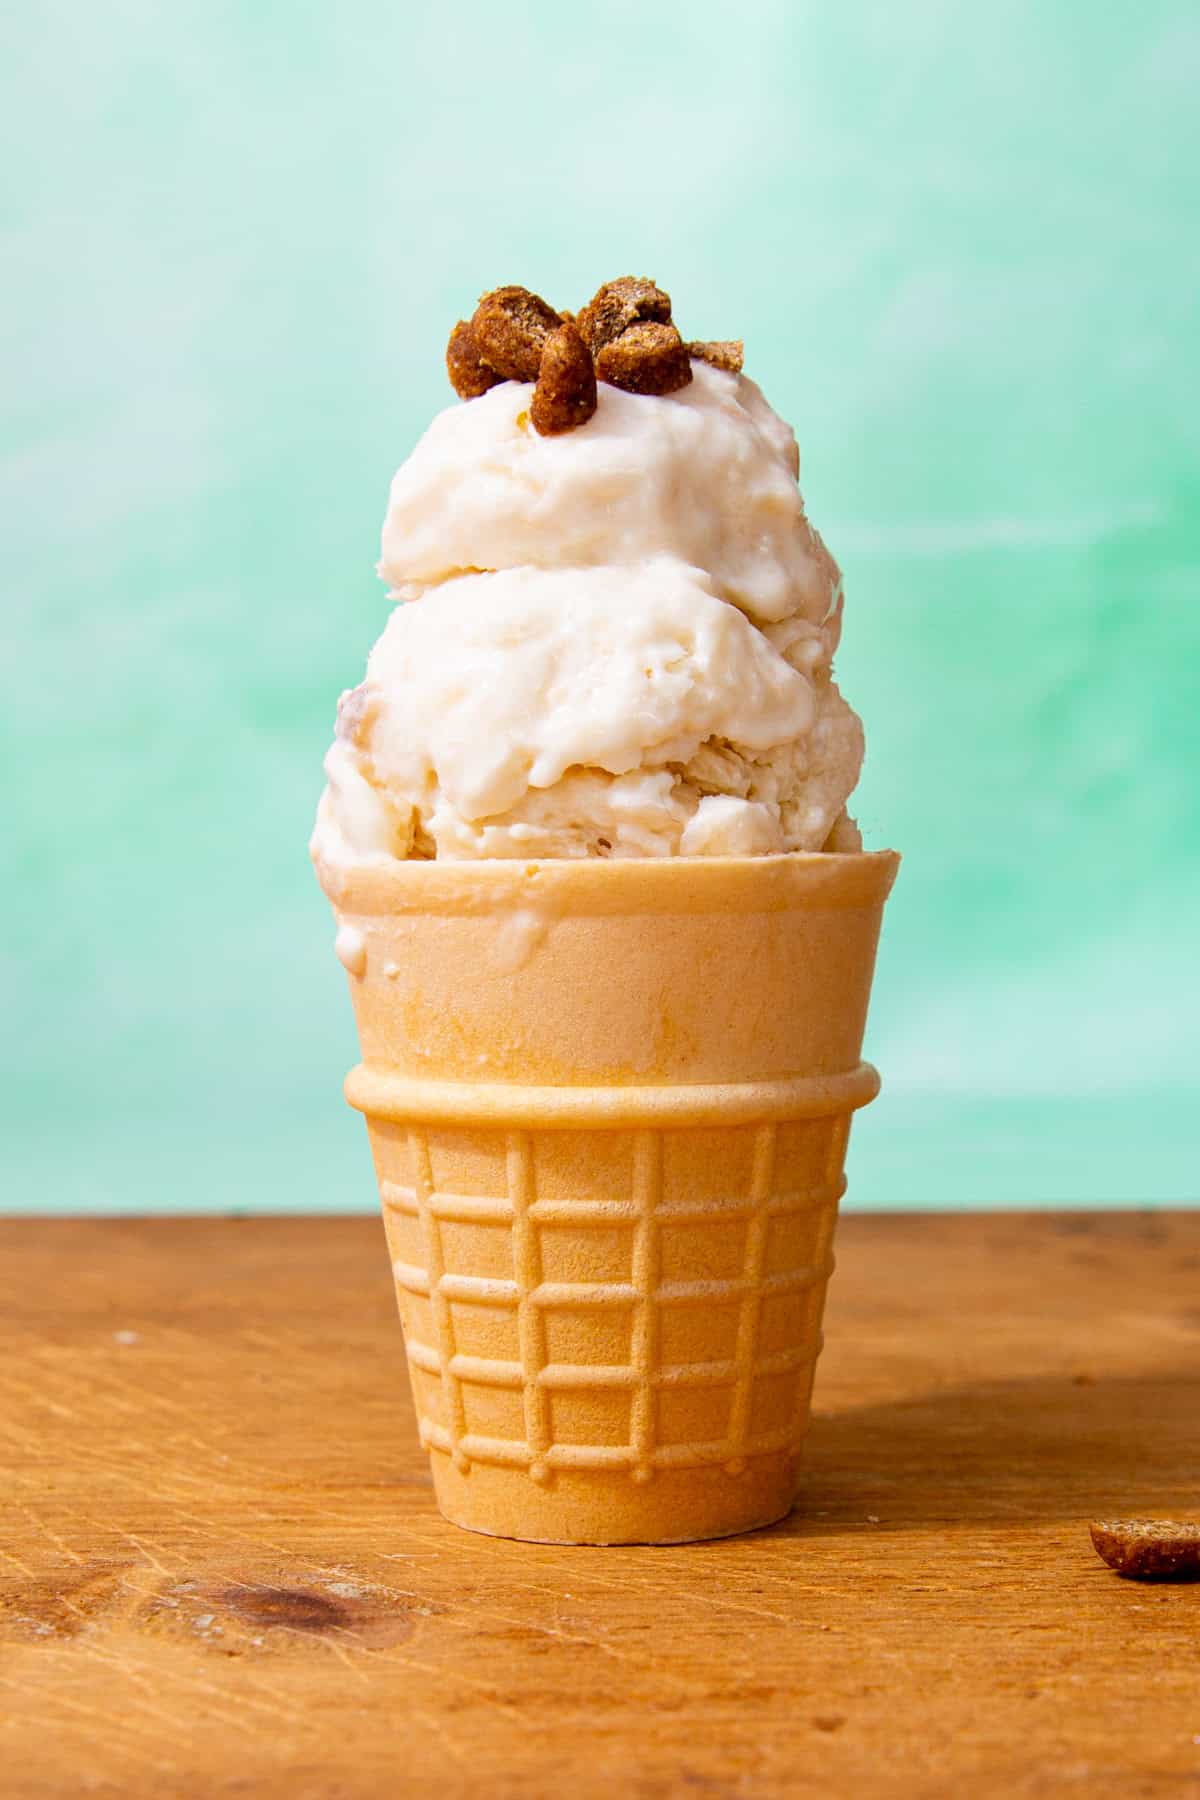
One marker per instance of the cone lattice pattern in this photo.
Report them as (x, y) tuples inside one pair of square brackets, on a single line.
[(619, 1300)]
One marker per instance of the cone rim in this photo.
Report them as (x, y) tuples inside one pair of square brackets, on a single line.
[(384, 1094), (590, 885)]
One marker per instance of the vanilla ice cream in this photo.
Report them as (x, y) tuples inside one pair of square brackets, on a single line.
[(613, 642)]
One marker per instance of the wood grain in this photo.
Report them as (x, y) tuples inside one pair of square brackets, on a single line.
[(222, 1571)]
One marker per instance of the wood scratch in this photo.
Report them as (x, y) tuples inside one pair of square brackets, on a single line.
[(328, 1640), (18, 1564), (135, 1677), (712, 1599), (721, 1603), (437, 1728), (96, 1716), (134, 1474), (60, 1543), (473, 1611), (139, 1544), (458, 1678), (140, 1673)]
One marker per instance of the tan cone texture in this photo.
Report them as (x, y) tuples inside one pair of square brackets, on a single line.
[(608, 1105)]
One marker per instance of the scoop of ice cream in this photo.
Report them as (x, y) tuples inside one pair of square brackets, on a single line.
[(500, 685), (614, 642), (706, 475)]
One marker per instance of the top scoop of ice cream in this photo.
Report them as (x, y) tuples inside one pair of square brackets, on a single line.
[(707, 476), (616, 641)]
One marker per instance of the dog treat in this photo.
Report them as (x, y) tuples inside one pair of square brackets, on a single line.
[(469, 374), (624, 336), (510, 326), (1149, 1549), (565, 395), (647, 358), (724, 353), (630, 300)]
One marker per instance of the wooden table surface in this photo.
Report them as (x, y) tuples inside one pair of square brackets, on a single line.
[(222, 1571)]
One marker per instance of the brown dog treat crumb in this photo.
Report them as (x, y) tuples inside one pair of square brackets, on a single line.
[(510, 327), (646, 359), (725, 353), (565, 395), (469, 374), (1149, 1549), (631, 300)]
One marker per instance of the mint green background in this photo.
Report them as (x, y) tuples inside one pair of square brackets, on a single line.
[(960, 244)]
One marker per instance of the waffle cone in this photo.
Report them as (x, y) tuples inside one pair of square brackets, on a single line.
[(608, 1104)]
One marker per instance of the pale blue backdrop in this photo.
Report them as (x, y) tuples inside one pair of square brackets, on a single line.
[(960, 244)]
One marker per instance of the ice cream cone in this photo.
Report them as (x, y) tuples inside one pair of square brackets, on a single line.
[(608, 1104)]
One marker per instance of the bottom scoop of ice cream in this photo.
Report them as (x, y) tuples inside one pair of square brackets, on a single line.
[(623, 711)]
